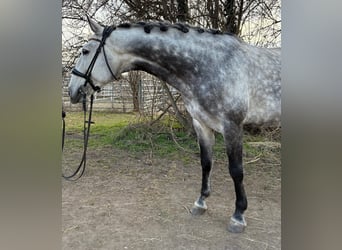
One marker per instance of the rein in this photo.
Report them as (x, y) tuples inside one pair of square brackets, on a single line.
[(86, 131), (86, 126)]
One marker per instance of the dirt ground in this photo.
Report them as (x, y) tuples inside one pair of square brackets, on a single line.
[(143, 202)]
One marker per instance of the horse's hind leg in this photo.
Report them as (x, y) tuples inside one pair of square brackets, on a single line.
[(206, 140), (233, 139)]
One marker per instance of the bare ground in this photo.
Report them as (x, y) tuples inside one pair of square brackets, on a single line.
[(143, 202)]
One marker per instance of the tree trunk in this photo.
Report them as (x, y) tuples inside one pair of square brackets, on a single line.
[(134, 81), (182, 15), (230, 13)]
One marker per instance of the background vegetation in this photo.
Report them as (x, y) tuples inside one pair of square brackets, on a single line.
[(166, 138)]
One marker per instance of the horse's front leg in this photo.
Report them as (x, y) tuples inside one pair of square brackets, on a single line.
[(233, 140), (206, 140)]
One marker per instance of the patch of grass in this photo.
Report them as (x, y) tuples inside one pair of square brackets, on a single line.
[(158, 139), (163, 139), (101, 132)]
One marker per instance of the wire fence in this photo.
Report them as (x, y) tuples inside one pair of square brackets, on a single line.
[(118, 96)]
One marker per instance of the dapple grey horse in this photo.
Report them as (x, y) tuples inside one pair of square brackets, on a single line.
[(225, 83)]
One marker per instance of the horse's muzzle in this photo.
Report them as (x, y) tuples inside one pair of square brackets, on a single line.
[(75, 97)]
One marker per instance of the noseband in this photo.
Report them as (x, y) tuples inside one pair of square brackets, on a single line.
[(105, 34)]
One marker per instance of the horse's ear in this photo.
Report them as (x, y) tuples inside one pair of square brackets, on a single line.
[(95, 27)]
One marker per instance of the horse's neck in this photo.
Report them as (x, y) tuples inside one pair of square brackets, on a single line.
[(173, 56)]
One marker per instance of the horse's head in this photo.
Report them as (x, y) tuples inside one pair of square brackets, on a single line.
[(96, 66)]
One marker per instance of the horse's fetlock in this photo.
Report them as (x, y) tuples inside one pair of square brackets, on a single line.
[(205, 193)]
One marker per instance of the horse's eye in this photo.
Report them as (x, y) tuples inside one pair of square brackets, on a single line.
[(85, 52)]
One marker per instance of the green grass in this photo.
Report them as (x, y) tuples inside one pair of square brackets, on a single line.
[(102, 132), (135, 135), (159, 139)]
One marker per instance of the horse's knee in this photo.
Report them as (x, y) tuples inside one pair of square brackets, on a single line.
[(236, 173)]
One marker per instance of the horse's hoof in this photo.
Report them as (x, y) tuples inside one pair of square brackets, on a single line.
[(199, 208), (197, 211), (236, 226)]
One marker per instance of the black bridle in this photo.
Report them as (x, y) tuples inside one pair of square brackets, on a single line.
[(87, 76)]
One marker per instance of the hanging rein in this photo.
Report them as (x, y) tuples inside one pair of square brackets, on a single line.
[(87, 122)]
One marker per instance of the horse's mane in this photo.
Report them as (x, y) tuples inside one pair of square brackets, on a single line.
[(165, 26)]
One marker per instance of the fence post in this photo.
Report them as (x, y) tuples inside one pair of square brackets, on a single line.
[(140, 97)]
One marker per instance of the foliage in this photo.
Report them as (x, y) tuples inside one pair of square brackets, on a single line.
[(165, 138)]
